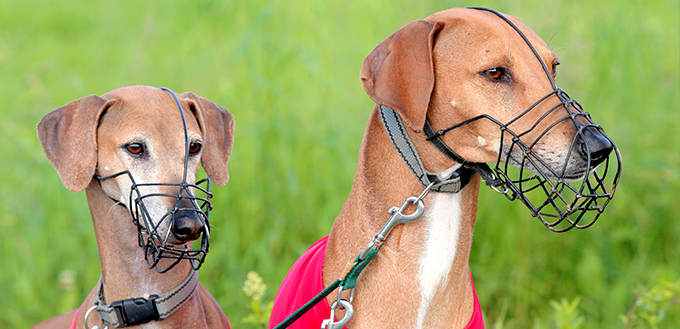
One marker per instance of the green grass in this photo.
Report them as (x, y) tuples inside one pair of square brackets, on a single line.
[(289, 72)]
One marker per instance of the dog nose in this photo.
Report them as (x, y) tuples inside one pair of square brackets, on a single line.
[(595, 145), (187, 225)]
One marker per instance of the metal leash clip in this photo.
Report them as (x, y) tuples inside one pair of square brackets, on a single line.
[(397, 218), (349, 313), (344, 304)]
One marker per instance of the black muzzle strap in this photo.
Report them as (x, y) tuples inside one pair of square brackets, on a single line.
[(402, 143), (482, 168)]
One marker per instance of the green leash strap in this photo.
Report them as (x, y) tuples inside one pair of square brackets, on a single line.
[(305, 308), (349, 282)]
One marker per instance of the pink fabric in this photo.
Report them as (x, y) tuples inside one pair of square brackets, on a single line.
[(301, 284), (477, 321), (304, 281), (75, 319)]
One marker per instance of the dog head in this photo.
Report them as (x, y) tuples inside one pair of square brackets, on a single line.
[(490, 79), (134, 140)]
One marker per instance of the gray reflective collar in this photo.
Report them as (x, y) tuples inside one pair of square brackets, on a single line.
[(135, 311), (402, 143)]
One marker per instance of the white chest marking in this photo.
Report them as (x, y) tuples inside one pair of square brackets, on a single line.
[(443, 220)]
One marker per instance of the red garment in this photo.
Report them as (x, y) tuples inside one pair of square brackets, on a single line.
[(305, 280)]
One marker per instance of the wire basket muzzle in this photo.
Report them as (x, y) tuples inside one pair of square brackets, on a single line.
[(567, 191), (183, 232)]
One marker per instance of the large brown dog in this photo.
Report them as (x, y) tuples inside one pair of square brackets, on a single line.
[(453, 66), (139, 131)]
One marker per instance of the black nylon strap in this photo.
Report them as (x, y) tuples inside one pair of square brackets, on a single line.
[(481, 168)]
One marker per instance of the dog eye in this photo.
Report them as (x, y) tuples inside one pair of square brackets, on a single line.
[(496, 74), (554, 67), (195, 147), (135, 148)]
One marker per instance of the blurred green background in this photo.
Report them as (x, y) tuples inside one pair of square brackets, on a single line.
[(289, 72)]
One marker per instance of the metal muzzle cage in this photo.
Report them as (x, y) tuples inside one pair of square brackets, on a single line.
[(155, 245), (560, 199), (561, 202), (571, 194), (190, 200)]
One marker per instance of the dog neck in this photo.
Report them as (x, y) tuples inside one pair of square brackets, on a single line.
[(124, 271), (421, 276)]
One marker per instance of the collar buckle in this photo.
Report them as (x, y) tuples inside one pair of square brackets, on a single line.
[(135, 311)]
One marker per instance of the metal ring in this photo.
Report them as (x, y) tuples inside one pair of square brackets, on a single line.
[(349, 313), (87, 314), (504, 191)]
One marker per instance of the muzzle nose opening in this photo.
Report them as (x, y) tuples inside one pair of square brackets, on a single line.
[(187, 218), (594, 146)]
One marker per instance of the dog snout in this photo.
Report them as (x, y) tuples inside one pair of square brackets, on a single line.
[(186, 222), (595, 146)]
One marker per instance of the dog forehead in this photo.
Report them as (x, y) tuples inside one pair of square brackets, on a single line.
[(142, 108), (140, 93), (487, 29)]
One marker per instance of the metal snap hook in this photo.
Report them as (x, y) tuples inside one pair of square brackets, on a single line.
[(398, 213), (399, 217), (349, 313)]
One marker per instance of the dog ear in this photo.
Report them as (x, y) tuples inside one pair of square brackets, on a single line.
[(399, 72), (217, 125), (69, 138)]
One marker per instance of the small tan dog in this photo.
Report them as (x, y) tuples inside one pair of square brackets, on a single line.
[(488, 78), (137, 160)]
